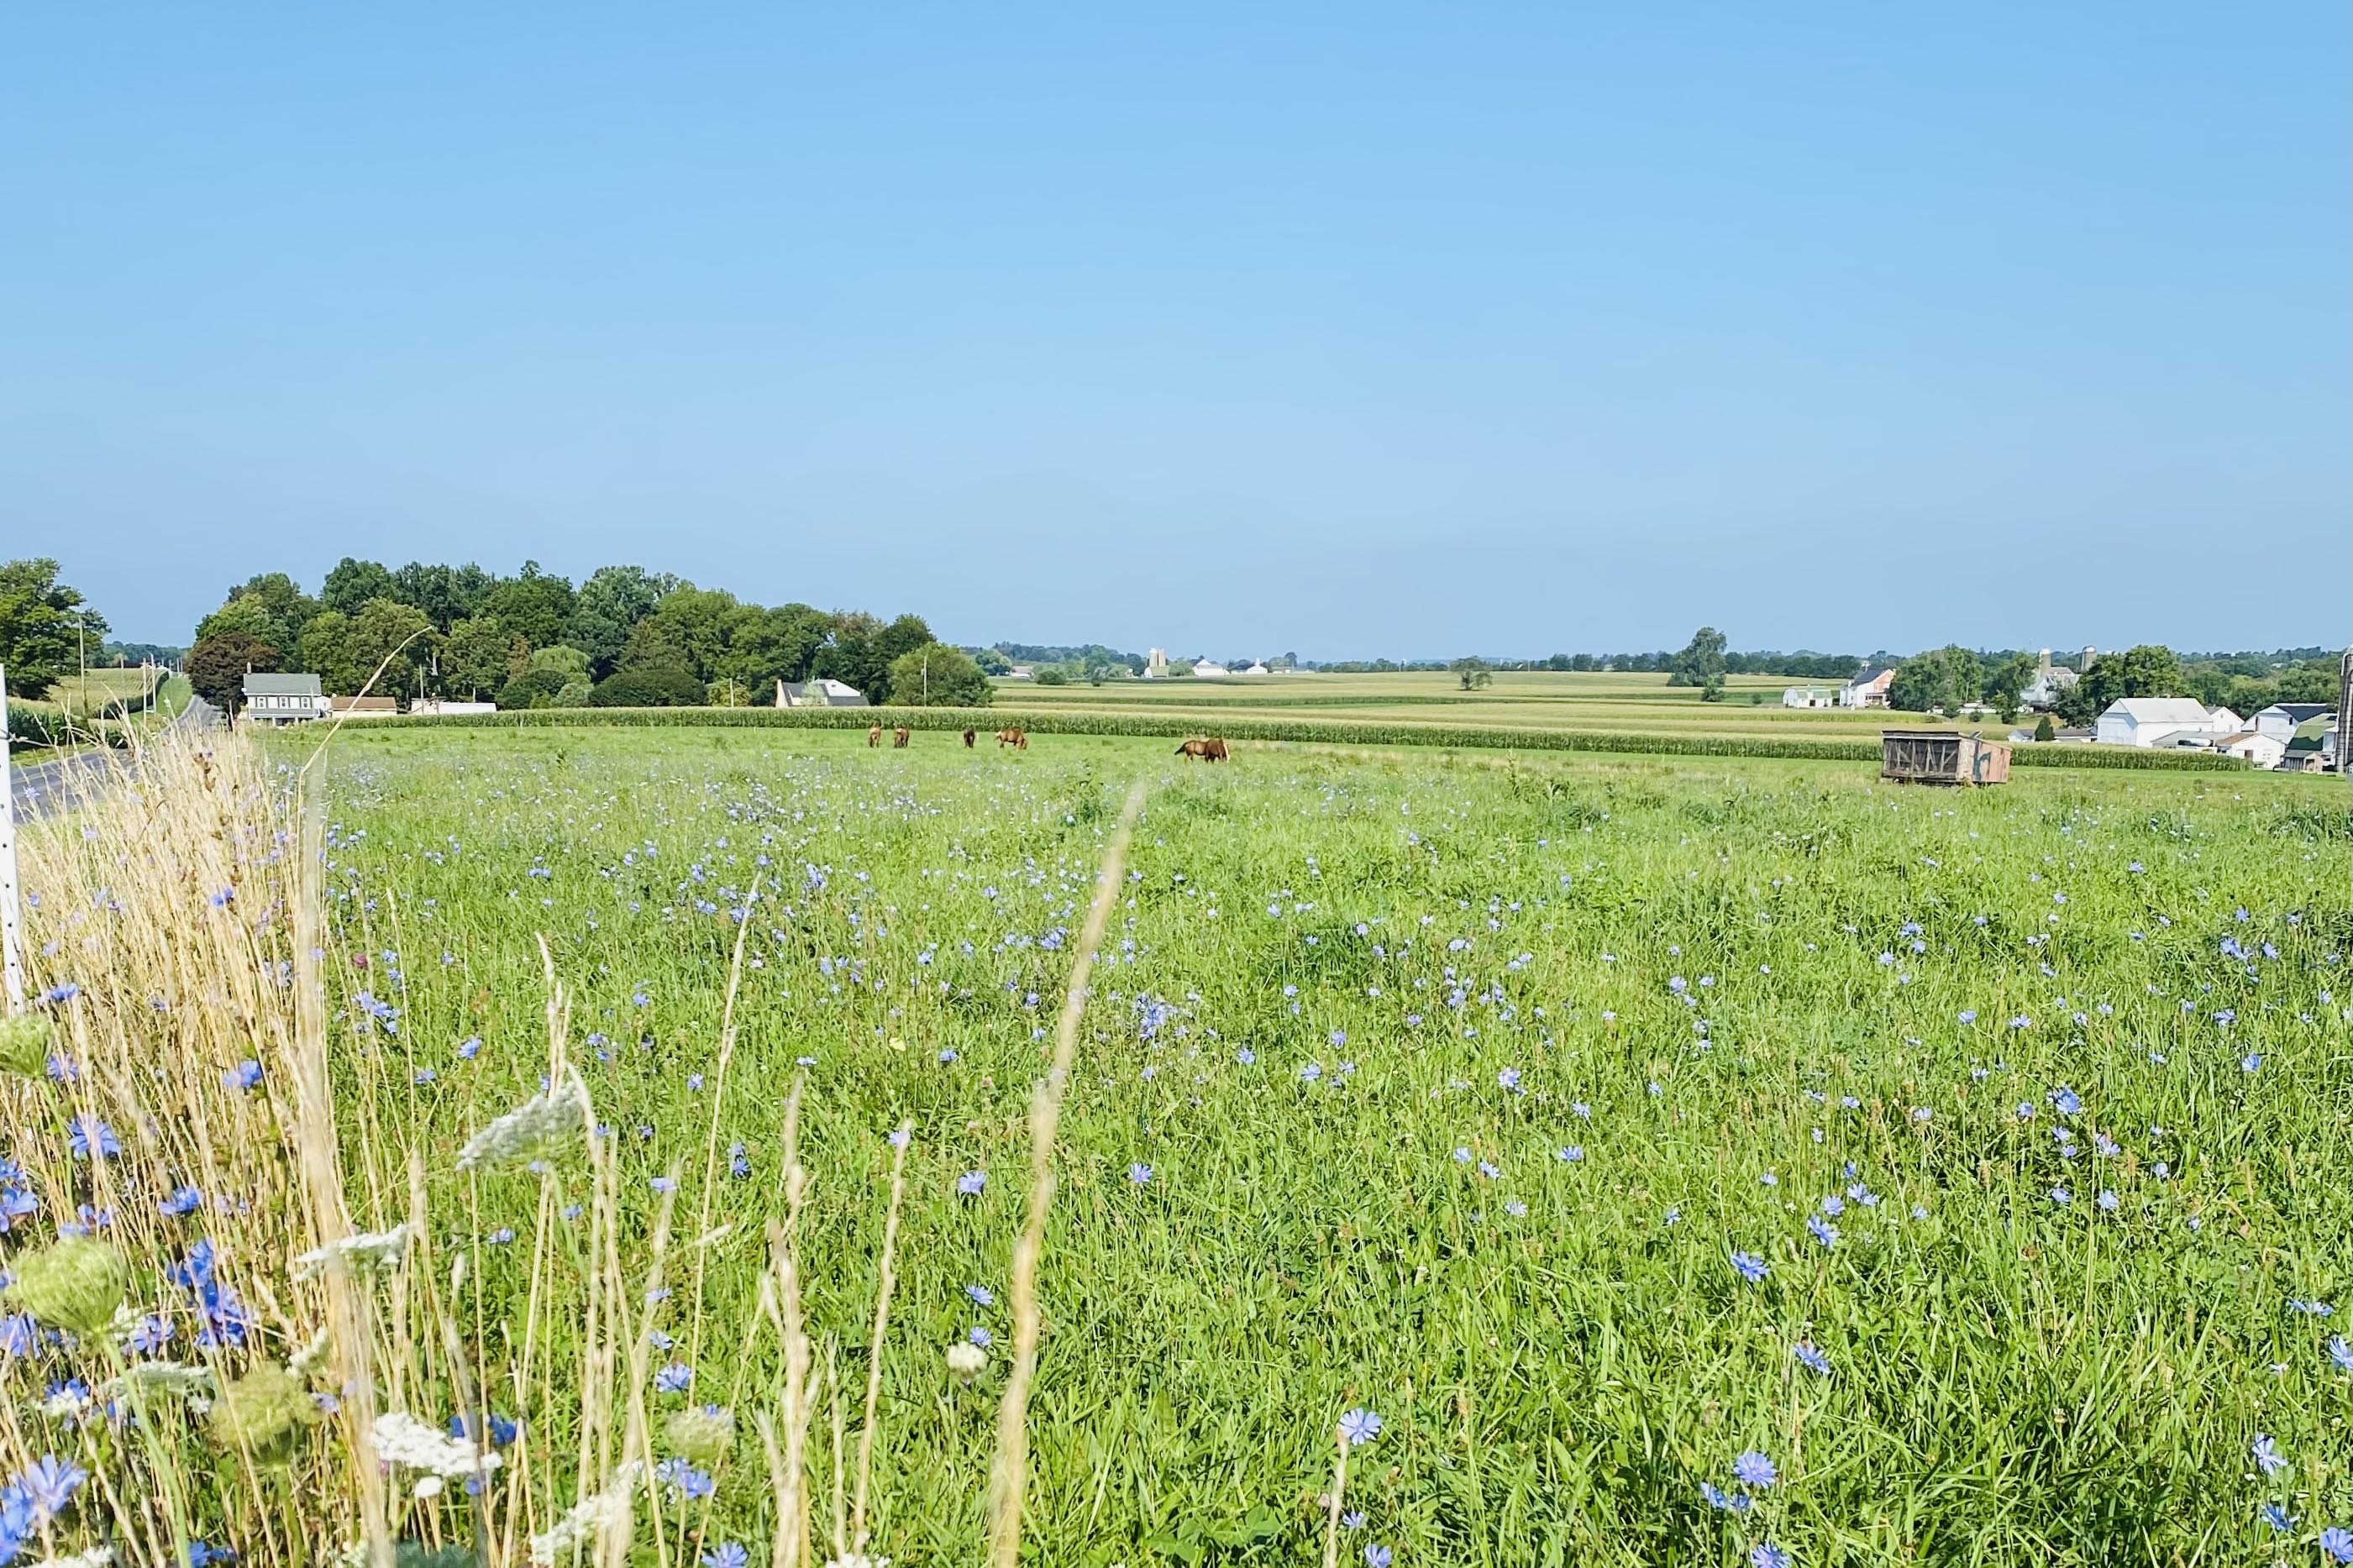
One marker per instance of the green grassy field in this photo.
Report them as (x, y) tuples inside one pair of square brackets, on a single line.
[(1627, 703), (1612, 1130)]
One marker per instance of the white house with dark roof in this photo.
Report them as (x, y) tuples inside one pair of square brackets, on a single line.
[(2253, 746), (2281, 719), (2165, 722), (283, 698), (1868, 689)]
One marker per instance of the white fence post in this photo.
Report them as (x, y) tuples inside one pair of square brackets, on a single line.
[(11, 938)]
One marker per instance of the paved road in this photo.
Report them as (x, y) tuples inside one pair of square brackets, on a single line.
[(56, 784)]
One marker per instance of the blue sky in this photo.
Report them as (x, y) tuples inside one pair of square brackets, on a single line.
[(1349, 329)]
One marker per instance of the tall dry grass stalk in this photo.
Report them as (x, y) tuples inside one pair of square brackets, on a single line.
[(1010, 1469)]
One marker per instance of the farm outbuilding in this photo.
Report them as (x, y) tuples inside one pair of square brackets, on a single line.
[(1943, 757)]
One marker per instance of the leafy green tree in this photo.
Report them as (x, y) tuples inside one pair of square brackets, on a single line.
[(769, 645), (532, 604), (1055, 674), (609, 602), (474, 659), (44, 626), (849, 657), (2005, 678), (560, 658), (2150, 669), (327, 652), (395, 639), (647, 689), (248, 614), (1939, 680), (653, 645), (447, 594), (532, 689), (353, 584), (2045, 730), (290, 608), (1701, 657), (938, 675), (902, 636), (1711, 690), (216, 668), (1471, 673), (993, 662), (701, 622)]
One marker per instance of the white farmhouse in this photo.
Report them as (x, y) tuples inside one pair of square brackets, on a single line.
[(276, 700), (2253, 746), (1809, 697), (2050, 683), (1868, 689), (2281, 719), (2165, 722)]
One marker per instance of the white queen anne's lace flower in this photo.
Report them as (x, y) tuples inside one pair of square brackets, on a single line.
[(362, 1252), (402, 1439), (588, 1519), (530, 1132)]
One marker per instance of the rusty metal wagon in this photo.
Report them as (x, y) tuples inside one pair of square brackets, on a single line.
[(1942, 757)]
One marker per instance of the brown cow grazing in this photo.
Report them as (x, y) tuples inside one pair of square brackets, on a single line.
[(1212, 749), (1016, 739), (967, 739), (899, 737), (874, 734)]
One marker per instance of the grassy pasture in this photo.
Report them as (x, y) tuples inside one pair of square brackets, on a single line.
[(1469, 1093), (1630, 702)]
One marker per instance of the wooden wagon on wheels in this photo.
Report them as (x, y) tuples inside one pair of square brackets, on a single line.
[(1941, 757)]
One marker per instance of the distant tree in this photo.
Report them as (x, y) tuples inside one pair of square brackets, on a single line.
[(1939, 680), (2150, 669), (328, 652), (216, 668), (902, 636), (2005, 678), (44, 626), (1055, 674), (531, 604), (2045, 730), (647, 689), (533, 688), (354, 583), (992, 662), (1471, 673), (780, 644), (248, 614), (390, 642), (653, 644), (474, 659), (938, 675), (289, 607), (702, 623), (447, 594), (2305, 683), (609, 602), (1711, 690), (1702, 657), (563, 659)]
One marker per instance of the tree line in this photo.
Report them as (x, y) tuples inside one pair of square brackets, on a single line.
[(623, 637)]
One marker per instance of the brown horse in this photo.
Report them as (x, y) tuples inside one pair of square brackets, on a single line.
[(874, 734), (1212, 749), (967, 739), (898, 738), (1016, 739)]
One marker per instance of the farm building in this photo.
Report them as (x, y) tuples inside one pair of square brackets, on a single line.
[(2165, 722), (362, 706), (1809, 697), (2253, 746), (448, 707), (821, 692), (1941, 757), (2050, 683), (1868, 689), (2281, 719), (283, 698), (1211, 668)]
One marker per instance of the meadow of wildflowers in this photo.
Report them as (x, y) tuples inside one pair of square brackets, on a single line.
[(1717, 1162)]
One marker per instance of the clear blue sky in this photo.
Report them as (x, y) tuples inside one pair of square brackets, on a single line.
[(1350, 330)]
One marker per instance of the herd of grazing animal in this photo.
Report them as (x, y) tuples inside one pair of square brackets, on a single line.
[(1211, 750)]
